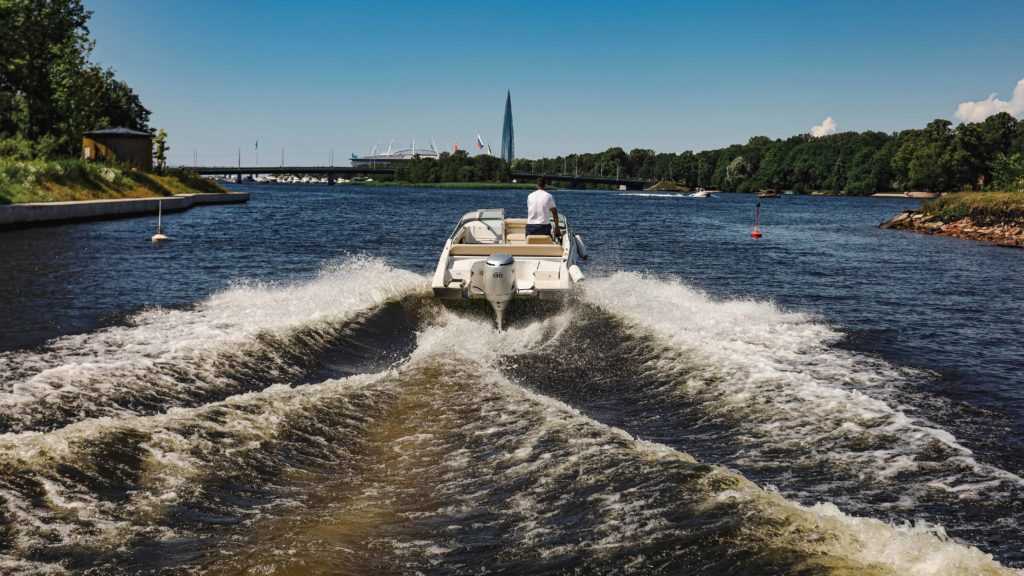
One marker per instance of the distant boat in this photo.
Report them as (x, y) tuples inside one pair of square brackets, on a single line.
[(701, 193), (768, 193), (789, 193), (921, 194)]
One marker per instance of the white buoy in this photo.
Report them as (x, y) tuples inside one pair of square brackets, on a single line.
[(159, 236)]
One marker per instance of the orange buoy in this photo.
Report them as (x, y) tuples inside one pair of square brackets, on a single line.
[(757, 222)]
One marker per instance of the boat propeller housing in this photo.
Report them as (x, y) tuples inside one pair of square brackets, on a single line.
[(499, 283)]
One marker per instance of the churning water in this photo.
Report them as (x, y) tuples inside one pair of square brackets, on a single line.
[(275, 392)]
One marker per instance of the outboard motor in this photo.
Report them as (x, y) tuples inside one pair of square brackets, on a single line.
[(499, 284)]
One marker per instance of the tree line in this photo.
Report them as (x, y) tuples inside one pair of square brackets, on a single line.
[(453, 167), (50, 92), (987, 155)]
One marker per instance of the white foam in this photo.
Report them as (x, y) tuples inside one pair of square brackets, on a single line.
[(512, 420), (476, 338), (178, 450), (530, 435), (94, 367), (655, 195), (774, 375)]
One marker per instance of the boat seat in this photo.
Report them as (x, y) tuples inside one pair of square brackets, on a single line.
[(538, 239), (514, 238), (482, 232), (552, 250)]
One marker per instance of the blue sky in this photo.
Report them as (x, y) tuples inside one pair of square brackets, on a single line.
[(316, 76)]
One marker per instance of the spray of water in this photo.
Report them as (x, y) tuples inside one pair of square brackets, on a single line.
[(442, 462), (247, 337), (775, 376)]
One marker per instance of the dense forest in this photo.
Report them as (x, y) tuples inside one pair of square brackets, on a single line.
[(456, 167), (940, 157), (50, 92)]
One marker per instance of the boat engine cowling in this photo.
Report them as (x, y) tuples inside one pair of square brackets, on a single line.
[(499, 284)]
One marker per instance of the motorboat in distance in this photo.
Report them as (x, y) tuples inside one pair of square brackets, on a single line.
[(490, 257), (768, 193)]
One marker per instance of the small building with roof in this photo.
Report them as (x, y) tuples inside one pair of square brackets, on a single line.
[(123, 145)]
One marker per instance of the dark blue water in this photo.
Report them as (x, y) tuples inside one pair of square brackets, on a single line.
[(946, 311), (944, 304)]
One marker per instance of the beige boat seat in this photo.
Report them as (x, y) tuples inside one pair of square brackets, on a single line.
[(538, 239), (550, 249), (482, 232)]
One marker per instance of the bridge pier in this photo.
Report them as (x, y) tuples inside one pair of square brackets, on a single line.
[(330, 178), (238, 178)]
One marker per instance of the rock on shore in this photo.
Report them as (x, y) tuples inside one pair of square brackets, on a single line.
[(1000, 234)]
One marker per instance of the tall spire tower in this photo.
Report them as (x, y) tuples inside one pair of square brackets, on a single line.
[(507, 137)]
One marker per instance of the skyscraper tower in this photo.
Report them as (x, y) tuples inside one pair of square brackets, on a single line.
[(507, 137)]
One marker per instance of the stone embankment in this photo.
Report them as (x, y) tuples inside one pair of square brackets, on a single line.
[(45, 213), (1003, 234)]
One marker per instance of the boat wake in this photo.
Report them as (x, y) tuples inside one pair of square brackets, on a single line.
[(656, 195), (561, 444), (244, 338)]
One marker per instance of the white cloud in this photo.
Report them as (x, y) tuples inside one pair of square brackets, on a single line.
[(827, 126), (980, 109)]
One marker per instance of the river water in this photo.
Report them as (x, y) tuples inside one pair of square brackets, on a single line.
[(275, 392)]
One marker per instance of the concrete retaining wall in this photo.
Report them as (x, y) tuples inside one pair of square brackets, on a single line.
[(43, 213)]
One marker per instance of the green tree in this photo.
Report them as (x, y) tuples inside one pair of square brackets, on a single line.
[(937, 157), (160, 149), (49, 90), (737, 171), (1008, 172)]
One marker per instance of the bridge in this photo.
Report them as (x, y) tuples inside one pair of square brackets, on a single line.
[(331, 172), (334, 172)]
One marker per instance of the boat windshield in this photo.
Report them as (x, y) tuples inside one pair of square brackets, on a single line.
[(481, 227)]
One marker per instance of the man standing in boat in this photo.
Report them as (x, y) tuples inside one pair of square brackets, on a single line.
[(539, 204)]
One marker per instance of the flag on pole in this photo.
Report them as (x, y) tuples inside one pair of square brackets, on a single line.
[(257, 144)]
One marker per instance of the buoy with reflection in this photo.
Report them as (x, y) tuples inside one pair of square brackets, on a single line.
[(757, 222), (159, 236)]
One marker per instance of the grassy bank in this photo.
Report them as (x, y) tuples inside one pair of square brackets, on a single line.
[(984, 208), (62, 180), (452, 185)]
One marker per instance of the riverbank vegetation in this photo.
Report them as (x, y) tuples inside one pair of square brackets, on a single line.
[(449, 185), (984, 209), (939, 158), (50, 94), (455, 167), (994, 217), (63, 180)]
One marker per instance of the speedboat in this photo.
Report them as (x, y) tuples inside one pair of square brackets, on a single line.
[(701, 193), (490, 257)]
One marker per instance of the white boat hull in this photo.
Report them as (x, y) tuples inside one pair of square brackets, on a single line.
[(489, 257)]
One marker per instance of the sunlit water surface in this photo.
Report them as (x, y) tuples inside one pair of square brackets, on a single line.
[(275, 392)]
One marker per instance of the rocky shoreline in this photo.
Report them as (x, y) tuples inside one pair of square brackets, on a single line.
[(1003, 234)]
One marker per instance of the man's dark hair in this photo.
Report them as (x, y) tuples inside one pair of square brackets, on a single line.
[(541, 182)]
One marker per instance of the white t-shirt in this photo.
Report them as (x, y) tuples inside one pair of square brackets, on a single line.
[(538, 207)]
